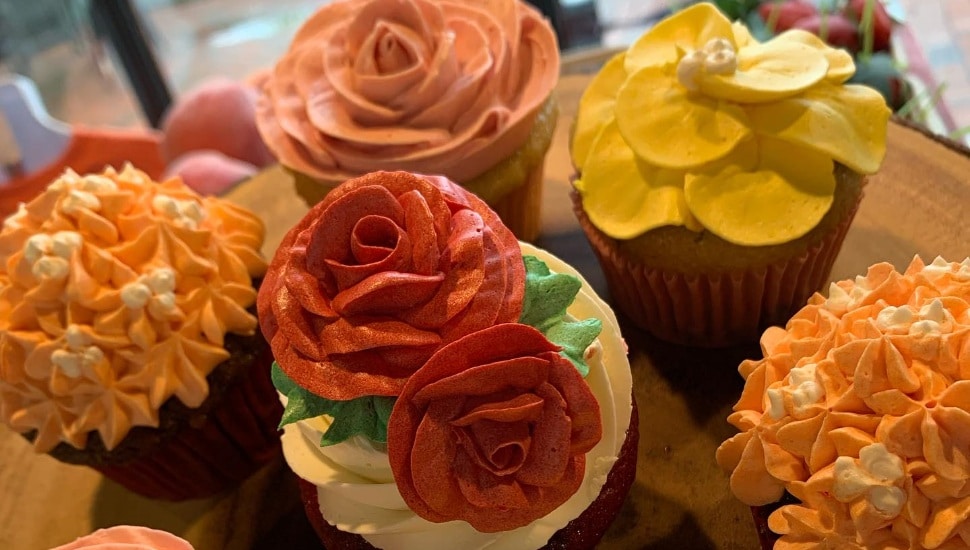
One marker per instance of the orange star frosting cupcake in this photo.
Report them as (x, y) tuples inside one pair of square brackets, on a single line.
[(717, 176), (127, 337), (457, 88), (857, 417)]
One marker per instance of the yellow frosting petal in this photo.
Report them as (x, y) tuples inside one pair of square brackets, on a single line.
[(767, 72), (669, 127), (651, 196), (688, 29), (847, 123), (596, 108), (787, 201), (742, 36), (841, 65)]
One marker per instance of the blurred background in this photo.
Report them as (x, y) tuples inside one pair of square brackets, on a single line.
[(85, 59)]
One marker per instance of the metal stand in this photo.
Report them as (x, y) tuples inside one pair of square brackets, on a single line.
[(123, 27)]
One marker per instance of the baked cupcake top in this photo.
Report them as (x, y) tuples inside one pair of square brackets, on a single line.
[(699, 125), (116, 293), (127, 537), (433, 86), (860, 409), (435, 385)]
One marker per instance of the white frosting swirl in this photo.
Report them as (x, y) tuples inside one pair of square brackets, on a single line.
[(356, 489)]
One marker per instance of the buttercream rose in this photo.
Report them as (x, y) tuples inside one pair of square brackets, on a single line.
[(387, 269), (445, 87), (493, 435)]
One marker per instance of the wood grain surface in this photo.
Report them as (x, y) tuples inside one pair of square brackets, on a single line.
[(917, 204)]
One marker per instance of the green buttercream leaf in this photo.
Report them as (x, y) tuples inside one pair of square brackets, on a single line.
[(547, 295), (366, 416)]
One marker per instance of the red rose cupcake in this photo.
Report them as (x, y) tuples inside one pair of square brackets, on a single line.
[(442, 381)]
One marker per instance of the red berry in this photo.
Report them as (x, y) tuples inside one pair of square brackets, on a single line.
[(788, 13), (836, 30), (882, 24)]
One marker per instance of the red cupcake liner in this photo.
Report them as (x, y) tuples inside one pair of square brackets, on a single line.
[(716, 309), (235, 439), (582, 533)]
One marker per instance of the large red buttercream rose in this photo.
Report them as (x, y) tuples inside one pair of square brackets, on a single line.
[(387, 269), (493, 430)]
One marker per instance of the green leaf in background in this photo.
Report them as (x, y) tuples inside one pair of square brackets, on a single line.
[(366, 416), (547, 295), (736, 9)]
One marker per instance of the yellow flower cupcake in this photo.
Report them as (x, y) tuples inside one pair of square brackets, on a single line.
[(717, 176)]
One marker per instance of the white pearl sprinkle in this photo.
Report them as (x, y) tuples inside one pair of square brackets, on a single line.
[(64, 243), (69, 363), (135, 295), (76, 339), (162, 280), (51, 267), (36, 247)]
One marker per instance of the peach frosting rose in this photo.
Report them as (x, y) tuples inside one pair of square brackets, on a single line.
[(127, 537), (116, 293), (861, 410), (495, 435), (430, 86), (387, 269)]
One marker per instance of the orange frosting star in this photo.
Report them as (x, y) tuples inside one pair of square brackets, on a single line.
[(116, 293), (495, 435), (387, 269), (861, 410)]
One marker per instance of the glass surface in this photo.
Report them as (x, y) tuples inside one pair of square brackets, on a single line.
[(53, 43)]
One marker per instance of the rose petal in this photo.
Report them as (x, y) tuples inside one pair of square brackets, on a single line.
[(523, 373), (767, 72), (497, 447), (596, 109), (424, 244), (385, 293), (483, 489), (787, 200), (522, 407), (652, 196), (687, 30), (668, 126), (581, 405), (848, 123), (330, 237), (551, 434), (435, 452)]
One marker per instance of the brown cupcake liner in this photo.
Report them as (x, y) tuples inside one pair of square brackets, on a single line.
[(582, 533), (714, 309), (214, 452)]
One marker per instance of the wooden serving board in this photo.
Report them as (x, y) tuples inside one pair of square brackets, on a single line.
[(917, 204)]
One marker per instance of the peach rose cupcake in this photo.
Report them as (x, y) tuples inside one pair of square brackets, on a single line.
[(457, 88), (443, 381), (127, 537), (128, 338), (854, 425)]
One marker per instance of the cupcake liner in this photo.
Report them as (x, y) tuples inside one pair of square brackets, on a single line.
[(715, 309), (520, 209), (582, 533), (212, 452)]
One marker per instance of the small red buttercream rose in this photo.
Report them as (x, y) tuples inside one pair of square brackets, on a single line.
[(493, 430), (387, 269)]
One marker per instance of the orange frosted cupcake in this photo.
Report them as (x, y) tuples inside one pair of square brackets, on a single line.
[(461, 89), (717, 176), (854, 424), (442, 381), (127, 537), (128, 338)]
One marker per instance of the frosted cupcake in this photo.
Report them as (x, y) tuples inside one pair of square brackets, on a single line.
[(856, 419), (717, 176), (442, 381), (458, 88), (127, 339), (127, 537)]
